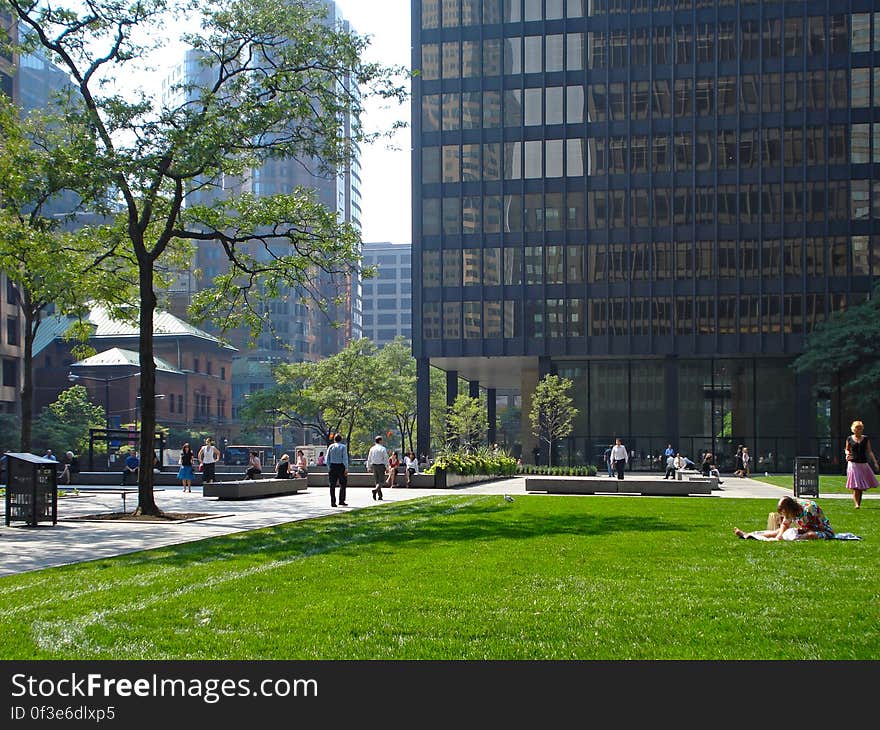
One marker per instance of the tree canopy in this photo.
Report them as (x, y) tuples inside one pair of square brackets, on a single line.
[(847, 347), (277, 80), (552, 413)]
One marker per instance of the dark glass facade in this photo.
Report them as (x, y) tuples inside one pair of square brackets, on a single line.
[(661, 198)]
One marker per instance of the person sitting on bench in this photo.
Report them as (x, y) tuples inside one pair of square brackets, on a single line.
[(132, 464), (254, 469), (282, 469)]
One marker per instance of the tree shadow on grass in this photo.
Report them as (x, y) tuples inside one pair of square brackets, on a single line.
[(422, 523)]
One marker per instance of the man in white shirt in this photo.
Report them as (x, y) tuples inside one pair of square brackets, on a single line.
[(208, 456), (377, 460), (619, 457)]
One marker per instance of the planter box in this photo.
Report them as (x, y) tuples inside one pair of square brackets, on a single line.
[(445, 480)]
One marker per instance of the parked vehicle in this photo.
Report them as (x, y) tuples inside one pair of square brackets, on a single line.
[(239, 455)]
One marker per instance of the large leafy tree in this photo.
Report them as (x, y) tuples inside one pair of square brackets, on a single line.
[(846, 349), (466, 422), (278, 81), (42, 158), (552, 414), (334, 395), (64, 425)]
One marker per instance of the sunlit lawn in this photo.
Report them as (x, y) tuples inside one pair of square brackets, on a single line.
[(828, 483), (471, 577)]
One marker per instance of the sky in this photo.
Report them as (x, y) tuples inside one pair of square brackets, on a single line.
[(387, 210)]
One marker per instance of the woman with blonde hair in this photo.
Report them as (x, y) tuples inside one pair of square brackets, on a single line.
[(859, 476)]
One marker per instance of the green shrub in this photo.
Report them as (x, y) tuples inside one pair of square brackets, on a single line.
[(482, 461), (589, 470)]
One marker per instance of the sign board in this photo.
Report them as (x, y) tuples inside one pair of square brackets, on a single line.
[(806, 476)]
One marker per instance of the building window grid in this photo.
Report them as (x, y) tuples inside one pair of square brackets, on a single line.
[(794, 145)]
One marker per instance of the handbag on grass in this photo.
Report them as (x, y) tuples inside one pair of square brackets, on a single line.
[(774, 521)]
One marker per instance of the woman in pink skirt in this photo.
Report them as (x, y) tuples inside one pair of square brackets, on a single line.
[(859, 476)]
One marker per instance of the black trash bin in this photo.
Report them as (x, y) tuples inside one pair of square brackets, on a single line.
[(31, 489), (806, 476)]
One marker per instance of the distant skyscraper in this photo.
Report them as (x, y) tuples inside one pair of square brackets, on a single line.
[(387, 298), (658, 200), (299, 329)]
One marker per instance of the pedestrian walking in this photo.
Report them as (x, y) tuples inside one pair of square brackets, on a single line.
[(337, 470), (377, 461), (71, 467), (859, 477), (619, 457), (738, 462), (746, 460), (185, 473), (606, 457)]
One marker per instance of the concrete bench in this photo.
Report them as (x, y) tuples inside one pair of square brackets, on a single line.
[(253, 488), (600, 485)]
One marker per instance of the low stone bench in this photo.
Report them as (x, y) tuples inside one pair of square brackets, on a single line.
[(603, 485), (253, 488)]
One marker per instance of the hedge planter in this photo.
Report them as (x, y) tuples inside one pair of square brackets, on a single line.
[(446, 480)]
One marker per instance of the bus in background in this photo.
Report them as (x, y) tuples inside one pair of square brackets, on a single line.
[(239, 455)]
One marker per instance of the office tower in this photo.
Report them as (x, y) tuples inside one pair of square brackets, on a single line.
[(387, 298), (659, 200)]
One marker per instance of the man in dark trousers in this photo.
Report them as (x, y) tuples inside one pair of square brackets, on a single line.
[(337, 468)]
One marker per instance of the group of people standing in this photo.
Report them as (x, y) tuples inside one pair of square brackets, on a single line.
[(205, 461)]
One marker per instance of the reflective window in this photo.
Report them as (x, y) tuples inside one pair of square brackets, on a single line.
[(533, 114), (470, 12), (451, 112), (492, 214), (451, 216), (470, 215), (706, 43), (430, 61), (597, 102), (430, 164), (451, 164), (727, 41), (492, 266), (451, 61), (451, 320), (431, 113), (793, 154), (554, 54), (470, 59), (534, 265), (662, 45), (513, 108), (639, 99), (684, 89), (431, 216), (450, 14), (512, 160), (574, 104), (492, 57), (684, 44), (492, 319), (574, 52), (451, 268), (492, 161), (532, 54), (430, 268), (491, 109), (861, 87), (555, 264), (430, 13), (553, 158), (793, 37), (617, 101), (470, 110), (816, 35), (860, 144), (772, 38), (472, 316), (771, 88), (793, 92), (838, 32), (533, 159), (512, 266), (431, 320), (553, 105), (470, 163), (513, 55)]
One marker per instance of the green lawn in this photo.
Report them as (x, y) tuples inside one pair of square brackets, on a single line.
[(471, 577), (828, 483)]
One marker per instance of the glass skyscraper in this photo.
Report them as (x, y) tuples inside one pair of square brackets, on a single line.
[(656, 199)]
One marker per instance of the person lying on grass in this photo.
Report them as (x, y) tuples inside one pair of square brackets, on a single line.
[(802, 519)]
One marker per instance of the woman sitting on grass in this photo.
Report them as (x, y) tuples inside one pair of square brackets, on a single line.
[(802, 519)]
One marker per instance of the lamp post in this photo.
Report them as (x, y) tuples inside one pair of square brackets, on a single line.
[(72, 377), (137, 402)]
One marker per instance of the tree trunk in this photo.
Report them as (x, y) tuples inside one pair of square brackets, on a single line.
[(31, 322), (147, 391), (550, 452)]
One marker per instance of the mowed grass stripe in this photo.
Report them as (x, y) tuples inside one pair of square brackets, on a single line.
[(542, 577)]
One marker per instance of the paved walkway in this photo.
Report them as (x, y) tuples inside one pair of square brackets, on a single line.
[(71, 541)]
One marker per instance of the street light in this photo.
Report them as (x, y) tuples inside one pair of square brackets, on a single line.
[(137, 402), (72, 377)]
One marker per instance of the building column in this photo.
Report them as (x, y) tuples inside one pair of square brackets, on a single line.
[(423, 406), (529, 377), (451, 393), (474, 388), (491, 432)]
